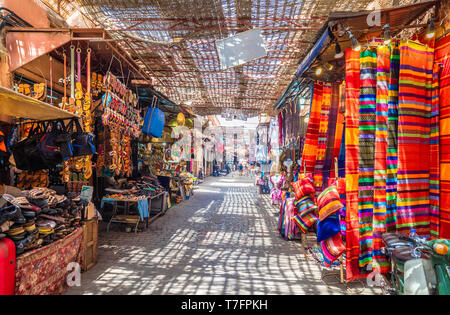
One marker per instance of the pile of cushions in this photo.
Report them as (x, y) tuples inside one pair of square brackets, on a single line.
[(328, 227), (323, 216)]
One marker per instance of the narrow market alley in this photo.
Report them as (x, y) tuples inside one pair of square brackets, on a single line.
[(223, 240)]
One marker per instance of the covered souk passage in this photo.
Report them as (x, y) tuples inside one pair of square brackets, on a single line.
[(223, 240)]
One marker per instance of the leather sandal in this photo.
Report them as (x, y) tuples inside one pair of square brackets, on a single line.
[(12, 213)]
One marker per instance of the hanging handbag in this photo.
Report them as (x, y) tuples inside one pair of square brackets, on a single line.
[(56, 145), (83, 142), (26, 153), (154, 120), (64, 141)]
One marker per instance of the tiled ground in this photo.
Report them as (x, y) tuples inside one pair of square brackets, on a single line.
[(223, 240)]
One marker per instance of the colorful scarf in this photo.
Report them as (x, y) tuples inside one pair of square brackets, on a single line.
[(443, 58), (379, 197), (322, 140), (352, 71), (414, 109), (367, 123), (310, 146), (391, 167)]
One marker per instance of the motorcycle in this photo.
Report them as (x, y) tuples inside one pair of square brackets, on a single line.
[(418, 267)]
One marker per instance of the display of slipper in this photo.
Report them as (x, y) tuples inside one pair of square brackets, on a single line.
[(23, 203), (41, 203), (37, 193), (11, 212)]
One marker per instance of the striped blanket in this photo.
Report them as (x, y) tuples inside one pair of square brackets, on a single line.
[(381, 133), (434, 155), (367, 123), (322, 140), (414, 110), (328, 166), (352, 80), (391, 167), (310, 146)]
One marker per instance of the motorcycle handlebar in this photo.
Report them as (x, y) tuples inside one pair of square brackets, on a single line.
[(415, 240)]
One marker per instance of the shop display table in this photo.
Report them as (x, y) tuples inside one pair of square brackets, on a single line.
[(144, 206), (43, 271)]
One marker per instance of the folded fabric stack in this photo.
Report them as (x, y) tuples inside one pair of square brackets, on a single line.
[(37, 218), (306, 213), (328, 227)]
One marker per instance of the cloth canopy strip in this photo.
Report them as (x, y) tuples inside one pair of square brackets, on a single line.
[(413, 175), (367, 120), (352, 80), (310, 146), (442, 57), (322, 139), (381, 134), (391, 171)]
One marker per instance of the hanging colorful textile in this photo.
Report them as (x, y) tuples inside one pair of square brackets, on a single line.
[(367, 120), (286, 226), (414, 109), (310, 146), (341, 158), (442, 57), (391, 167), (322, 139), (434, 155), (328, 166), (352, 80), (381, 133), (339, 126)]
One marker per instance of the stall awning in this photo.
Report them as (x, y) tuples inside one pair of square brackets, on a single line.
[(21, 106)]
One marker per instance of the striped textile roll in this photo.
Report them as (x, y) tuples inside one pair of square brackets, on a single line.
[(322, 140), (281, 226), (442, 57), (352, 65), (367, 121), (381, 133), (305, 205), (328, 202), (414, 110), (391, 167), (434, 155), (306, 221), (290, 229), (310, 146), (328, 165)]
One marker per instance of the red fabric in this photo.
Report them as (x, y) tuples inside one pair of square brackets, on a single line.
[(303, 187), (352, 81), (442, 56), (312, 134), (43, 271)]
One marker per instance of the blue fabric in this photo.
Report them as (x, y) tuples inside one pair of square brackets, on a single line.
[(143, 208), (328, 228)]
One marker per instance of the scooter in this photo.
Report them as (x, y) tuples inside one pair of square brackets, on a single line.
[(418, 267)]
